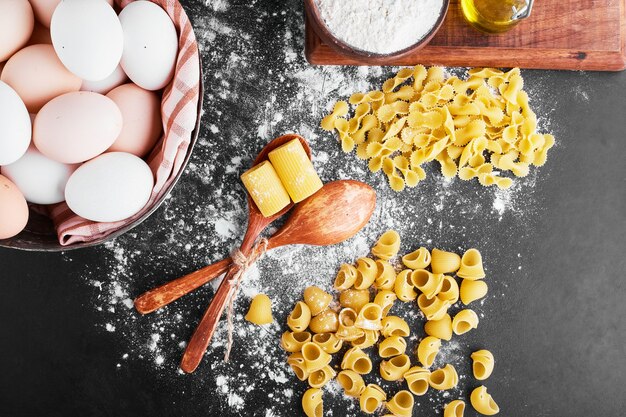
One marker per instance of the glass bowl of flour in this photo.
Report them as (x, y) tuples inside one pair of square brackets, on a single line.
[(376, 30)]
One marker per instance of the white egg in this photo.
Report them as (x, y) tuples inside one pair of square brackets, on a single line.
[(87, 37), (150, 45), (115, 79), (41, 180), (15, 125), (109, 188)]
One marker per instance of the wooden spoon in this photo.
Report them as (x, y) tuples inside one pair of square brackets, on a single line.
[(333, 214), (163, 295)]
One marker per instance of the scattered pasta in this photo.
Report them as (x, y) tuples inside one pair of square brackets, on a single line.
[(482, 365), (260, 311), (371, 398), (401, 404), (427, 350), (444, 378), (312, 403), (394, 368), (476, 127), (320, 328), (455, 408), (317, 299), (464, 321), (482, 402)]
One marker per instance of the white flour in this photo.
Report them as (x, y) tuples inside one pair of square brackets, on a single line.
[(380, 26)]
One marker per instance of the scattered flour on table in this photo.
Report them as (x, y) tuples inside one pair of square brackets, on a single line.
[(205, 218)]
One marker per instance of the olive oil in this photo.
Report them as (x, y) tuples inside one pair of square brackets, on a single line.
[(495, 16)]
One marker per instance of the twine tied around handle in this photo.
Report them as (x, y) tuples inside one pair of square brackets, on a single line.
[(242, 263)]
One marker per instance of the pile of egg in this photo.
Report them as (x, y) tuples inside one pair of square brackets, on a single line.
[(80, 105)]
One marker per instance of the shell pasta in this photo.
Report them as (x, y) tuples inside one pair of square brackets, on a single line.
[(320, 328), (483, 403)]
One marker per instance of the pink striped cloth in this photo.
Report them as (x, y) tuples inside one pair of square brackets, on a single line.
[(179, 110)]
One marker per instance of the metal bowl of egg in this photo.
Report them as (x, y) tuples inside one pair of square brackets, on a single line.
[(373, 32), (40, 233)]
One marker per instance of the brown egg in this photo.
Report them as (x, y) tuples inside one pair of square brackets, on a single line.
[(16, 26), (141, 114), (38, 76), (13, 209), (41, 34)]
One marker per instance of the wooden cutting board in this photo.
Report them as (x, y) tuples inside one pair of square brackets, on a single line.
[(560, 34)]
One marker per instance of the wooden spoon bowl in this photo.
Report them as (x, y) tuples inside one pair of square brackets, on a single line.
[(314, 18)]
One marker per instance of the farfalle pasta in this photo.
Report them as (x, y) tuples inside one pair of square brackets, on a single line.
[(466, 125)]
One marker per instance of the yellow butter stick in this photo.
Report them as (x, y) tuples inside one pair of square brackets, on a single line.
[(295, 170), (265, 188)]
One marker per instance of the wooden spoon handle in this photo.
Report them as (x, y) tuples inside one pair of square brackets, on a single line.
[(163, 295), (204, 332)]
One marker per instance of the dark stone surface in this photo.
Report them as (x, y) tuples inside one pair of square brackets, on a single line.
[(554, 317)]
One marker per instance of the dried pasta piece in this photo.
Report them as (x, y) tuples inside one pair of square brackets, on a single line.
[(455, 408), (360, 112), (366, 273), (355, 299), (324, 322), (482, 365), (472, 290), (449, 290), (356, 360), (441, 328), (295, 170), (471, 265), (394, 368), (444, 262), (293, 341), (541, 155), (392, 83), (405, 93), (328, 342), (395, 326), (444, 378), (317, 299), (297, 364), (351, 382), (345, 277), (386, 275), (401, 404), (312, 403), (464, 321), (403, 287), (483, 402), (385, 299), (419, 259), (427, 350), (260, 311), (300, 317), (369, 318), (434, 308), (369, 122), (427, 282), (314, 357), (347, 330), (418, 380), (266, 189), (369, 338), (371, 398), (387, 245), (391, 346), (340, 109), (319, 378)]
